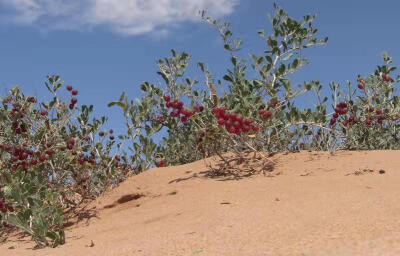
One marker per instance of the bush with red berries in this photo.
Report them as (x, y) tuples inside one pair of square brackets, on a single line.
[(49, 153)]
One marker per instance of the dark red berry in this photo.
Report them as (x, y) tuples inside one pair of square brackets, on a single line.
[(221, 121), (335, 115), (69, 87), (111, 137), (42, 158), (248, 122), (167, 98), (74, 100), (50, 152), (261, 112), (255, 128), (74, 92), (43, 112), (111, 131), (360, 86)]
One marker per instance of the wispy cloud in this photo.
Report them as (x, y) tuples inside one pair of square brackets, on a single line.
[(131, 17)]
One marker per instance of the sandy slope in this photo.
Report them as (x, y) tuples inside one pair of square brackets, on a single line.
[(314, 204)]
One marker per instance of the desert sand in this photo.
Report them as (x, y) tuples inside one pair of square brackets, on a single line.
[(311, 203)]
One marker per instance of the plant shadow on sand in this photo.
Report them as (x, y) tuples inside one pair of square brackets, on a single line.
[(231, 167)]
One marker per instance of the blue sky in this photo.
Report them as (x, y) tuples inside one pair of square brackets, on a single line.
[(104, 47)]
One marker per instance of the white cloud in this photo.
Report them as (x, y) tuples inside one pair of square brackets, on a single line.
[(129, 17)]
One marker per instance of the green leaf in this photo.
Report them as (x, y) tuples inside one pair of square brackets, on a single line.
[(295, 63)]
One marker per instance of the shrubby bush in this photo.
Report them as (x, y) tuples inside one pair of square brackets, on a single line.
[(51, 153)]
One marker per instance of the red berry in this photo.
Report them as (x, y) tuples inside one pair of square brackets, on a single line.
[(74, 100), (167, 98), (174, 113), (179, 105), (255, 128), (360, 86), (237, 131), (335, 115), (196, 108), (368, 122), (169, 104), (268, 114), (14, 159), (345, 122), (50, 152), (245, 128), (185, 112), (69, 87), (332, 121), (221, 121), (201, 108), (43, 112), (111, 137), (385, 77), (378, 111), (371, 109), (71, 106), (111, 131), (42, 158), (231, 129), (74, 92), (261, 112), (184, 119), (248, 122)]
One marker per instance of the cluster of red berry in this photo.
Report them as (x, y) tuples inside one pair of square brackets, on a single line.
[(233, 123), (386, 78), (361, 84), (265, 113), (161, 163), (17, 112), (73, 99), (178, 109), (3, 208), (24, 157), (101, 134), (380, 116), (341, 109)]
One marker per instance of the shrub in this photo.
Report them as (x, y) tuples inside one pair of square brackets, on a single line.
[(50, 152)]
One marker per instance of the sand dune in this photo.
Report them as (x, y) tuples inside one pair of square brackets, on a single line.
[(312, 203)]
